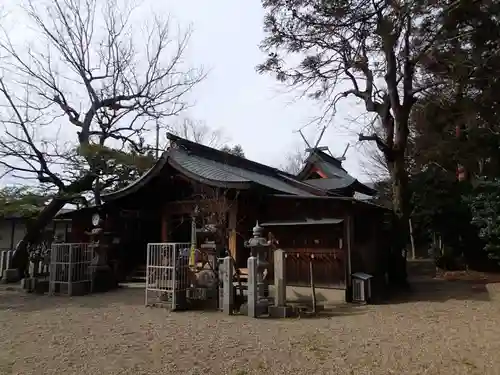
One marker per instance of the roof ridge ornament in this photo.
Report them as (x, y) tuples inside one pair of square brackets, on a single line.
[(309, 149)]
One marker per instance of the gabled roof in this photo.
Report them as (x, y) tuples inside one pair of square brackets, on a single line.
[(218, 168), (334, 176)]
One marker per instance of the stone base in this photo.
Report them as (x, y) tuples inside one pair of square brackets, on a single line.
[(261, 308), (103, 279), (34, 285), (244, 309), (10, 275), (77, 289), (282, 311), (41, 287), (28, 284)]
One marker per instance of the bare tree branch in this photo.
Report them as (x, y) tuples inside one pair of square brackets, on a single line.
[(76, 105), (87, 75), (199, 132)]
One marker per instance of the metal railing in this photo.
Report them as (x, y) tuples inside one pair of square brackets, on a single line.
[(167, 274), (70, 268)]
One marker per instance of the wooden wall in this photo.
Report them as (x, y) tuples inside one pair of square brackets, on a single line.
[(359, 231)]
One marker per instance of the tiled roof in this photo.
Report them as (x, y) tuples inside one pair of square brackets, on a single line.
[(212, 170), (219, 168), (205, 168), (330, 183), (337, 176)]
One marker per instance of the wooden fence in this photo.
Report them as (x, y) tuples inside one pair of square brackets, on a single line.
[(328, 267)]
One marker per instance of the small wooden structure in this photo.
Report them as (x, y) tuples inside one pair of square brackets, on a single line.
[(312, 213)]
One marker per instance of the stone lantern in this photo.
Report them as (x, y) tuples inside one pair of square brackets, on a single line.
[(102, 277), (258, 287)]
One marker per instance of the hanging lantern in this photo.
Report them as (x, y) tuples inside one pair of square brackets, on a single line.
[(461, 173)]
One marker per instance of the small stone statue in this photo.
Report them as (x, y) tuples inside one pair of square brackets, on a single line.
[(100, 248)]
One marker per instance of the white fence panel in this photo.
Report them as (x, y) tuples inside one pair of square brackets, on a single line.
[(70, 268), (167, 275)]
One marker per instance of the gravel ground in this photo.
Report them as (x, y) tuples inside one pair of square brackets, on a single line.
[(454, 330)]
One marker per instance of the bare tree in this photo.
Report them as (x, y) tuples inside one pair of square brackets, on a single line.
[(374, 51), (374, 164), (236, 150), (294, 162), (199, 132), (89, 74)]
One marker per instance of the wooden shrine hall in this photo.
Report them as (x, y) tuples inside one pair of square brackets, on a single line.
[(313, 213)]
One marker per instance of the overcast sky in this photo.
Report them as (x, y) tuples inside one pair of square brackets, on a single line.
[(252, 110)]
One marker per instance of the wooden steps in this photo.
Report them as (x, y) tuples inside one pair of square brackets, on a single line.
[(138, 275)]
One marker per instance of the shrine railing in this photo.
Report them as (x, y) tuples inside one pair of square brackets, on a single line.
[(328, 267)]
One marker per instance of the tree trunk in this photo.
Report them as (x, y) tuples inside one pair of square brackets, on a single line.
[(97, 192), (400, 204), (20, 259)]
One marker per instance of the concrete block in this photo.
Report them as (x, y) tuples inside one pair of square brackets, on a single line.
[(28, 284), (282, 311), (10, 275), (41, 287), (77, 289)]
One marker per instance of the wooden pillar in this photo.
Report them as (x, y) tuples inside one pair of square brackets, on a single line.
[(164, 224), (349, 244), (233, 220), (66, 230)]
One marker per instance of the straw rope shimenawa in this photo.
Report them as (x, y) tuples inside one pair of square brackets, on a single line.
[(454, 332)]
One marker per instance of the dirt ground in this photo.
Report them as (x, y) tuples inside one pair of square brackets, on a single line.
[(454, 329)]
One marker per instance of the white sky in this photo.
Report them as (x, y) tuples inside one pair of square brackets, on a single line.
[(251, 109)]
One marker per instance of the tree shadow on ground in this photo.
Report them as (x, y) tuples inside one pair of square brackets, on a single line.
[(326, 307), (323, 312), (15, 299), (435, 290), (333, 311)]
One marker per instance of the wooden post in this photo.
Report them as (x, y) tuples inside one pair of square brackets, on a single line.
[(164, 225), (233, 219), (313, 287), (412, 240), (349, 230), (66, 231)]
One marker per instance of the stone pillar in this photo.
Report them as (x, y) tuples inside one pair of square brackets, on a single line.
[(279, 278), (280, 309), (227, 286), (4, 264), (252, 292)]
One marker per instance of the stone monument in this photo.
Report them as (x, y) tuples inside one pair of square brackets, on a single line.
[(280, 309), (102, 277)]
